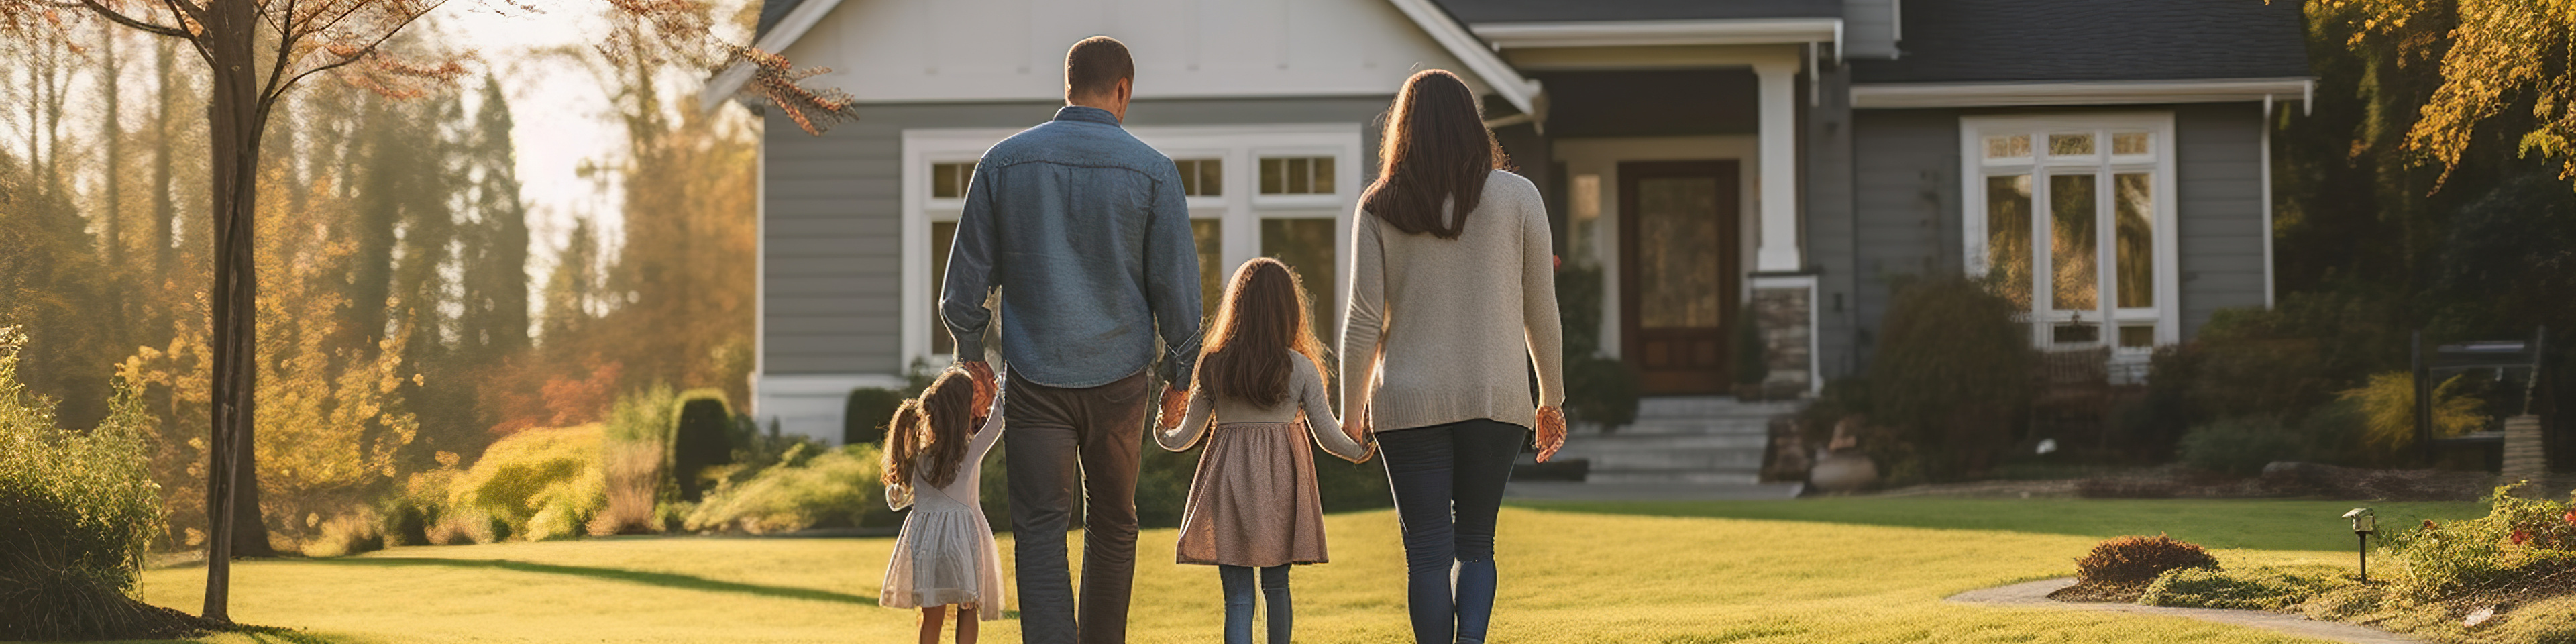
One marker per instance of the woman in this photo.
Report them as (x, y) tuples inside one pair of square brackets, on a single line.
[(1452, 300)]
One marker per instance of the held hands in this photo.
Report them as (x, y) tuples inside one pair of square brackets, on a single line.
[(1551, 431), (985, 384), (1176, 403)]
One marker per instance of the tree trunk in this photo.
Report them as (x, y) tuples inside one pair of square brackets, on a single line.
[(164, 194), (234, 118)]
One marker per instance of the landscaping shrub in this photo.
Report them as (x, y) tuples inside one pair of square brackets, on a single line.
[(2241, 446), (1598, 389), (1952, 372), (2387, 404), (77, 510), (347, 534), (838, 488), (2265, 588), (2519, 542), (2139, 559), (535, 485), (864, 415)]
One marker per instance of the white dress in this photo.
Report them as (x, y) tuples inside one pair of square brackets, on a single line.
[(945, 553)]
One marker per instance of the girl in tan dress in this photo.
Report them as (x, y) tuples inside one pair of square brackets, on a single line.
[(1253, 504), (945, 554)]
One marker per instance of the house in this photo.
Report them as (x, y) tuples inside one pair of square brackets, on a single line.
[(1722, 161)]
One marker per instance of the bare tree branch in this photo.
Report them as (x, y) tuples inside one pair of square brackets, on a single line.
[(114, 16)]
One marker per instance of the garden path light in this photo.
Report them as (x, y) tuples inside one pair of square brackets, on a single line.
[(2364, 522)]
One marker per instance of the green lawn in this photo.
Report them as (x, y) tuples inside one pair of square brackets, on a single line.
[(1839, 570)]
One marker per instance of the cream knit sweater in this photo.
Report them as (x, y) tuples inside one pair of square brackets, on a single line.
[(1450, 327)]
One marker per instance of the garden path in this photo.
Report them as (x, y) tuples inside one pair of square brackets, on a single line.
[(2035, 595)]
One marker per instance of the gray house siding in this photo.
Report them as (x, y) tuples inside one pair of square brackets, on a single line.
[(2218, 159), (1905, 209), (1870, 28), (1830, 226), (833, 221)]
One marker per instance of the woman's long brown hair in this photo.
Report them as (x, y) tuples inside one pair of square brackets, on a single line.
[(932, 431), (1263, 318), (1435, 148)]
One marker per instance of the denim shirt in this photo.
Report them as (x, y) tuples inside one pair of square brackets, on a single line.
[(1086, 231)]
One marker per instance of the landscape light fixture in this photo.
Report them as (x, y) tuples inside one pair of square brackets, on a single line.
[(2363, 523)]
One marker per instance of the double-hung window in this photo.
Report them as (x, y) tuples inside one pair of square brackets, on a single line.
[(2072, 218)]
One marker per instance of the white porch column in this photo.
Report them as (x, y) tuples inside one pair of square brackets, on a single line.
[(1777, 95)]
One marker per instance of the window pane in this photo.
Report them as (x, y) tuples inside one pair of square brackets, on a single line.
[(948, 180), (2071, 242), (1211, 178), (2138, 336), (1210, 235), (1678, 271), (2008, 237), (1323, 175), (2135, 207), (2132, 143), (2008, 147), (1189, 171), (2070, 144), (942, 233), (1274, 176), (1306, 246), (1297, 177), (2075, 333)]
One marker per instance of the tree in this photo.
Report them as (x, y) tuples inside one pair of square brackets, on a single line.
[(2498, 55), (256, 52)]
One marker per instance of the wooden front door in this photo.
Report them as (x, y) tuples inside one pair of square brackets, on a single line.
[(1677, 273)]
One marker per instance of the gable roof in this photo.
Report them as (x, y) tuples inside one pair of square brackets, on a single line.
[(1953, 41), (784, 21), (772, 11), (1478, 12)]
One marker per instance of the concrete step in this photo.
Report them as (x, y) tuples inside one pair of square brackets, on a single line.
[(1739, 477), (1694, 426), (1665, 442), (1674, 459), (1709, 407)]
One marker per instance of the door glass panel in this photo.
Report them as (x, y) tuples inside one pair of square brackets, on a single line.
[(1678, 254), (1210, 235), (2071, 242), (2008, 237), (1306, 246), (2138, 336), (2008, 147), (942, 233), (2070, 145), (2135, 208), (2132, 143)]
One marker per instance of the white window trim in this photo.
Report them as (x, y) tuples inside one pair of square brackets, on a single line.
[(1239, 206), (2167, 314)]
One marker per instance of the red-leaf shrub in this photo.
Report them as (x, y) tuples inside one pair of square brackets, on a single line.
[(2139, 559)]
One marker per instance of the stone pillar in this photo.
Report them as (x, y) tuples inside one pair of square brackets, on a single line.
[(1784, 307)]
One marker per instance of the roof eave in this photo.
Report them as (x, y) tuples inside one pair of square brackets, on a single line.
[(1744, 31), (780, 36), (2032, 93)]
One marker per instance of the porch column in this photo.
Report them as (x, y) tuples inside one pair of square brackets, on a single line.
[(1777, 93)]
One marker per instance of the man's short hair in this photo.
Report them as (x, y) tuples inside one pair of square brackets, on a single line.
[(1095, 66)]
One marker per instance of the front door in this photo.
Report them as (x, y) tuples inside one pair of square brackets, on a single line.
[(1677, 273)]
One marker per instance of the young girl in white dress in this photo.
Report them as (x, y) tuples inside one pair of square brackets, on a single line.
[(945, 555), (1253, 503)]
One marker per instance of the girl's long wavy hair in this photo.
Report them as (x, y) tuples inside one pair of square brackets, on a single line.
[(1435, 148), (1262, 320), (928, 435)]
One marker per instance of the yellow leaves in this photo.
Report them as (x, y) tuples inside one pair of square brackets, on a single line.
[(2497, 51)]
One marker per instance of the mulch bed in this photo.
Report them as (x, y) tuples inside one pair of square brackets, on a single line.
[(2102, 592), (2280, 480)]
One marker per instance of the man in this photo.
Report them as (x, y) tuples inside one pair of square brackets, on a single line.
[(1085, 231)]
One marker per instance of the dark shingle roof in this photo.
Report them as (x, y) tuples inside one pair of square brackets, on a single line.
[(1491, 11), (2093, 40), (772, 11)]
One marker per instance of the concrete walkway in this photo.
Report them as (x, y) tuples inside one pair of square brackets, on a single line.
[(2035, 595)]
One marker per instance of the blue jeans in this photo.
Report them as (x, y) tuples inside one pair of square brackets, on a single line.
[(1238, 602), (1448, 483)]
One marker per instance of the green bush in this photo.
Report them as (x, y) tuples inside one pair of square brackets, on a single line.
[(1952, 373), (1600, 390), (2139, 559), (2519, 542), (864, 415), (2267, 588), (2241, 446), (77, 511), (1752, 355), (838, 488)]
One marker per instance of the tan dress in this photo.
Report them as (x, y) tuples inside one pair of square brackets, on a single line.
[(1254, 500)]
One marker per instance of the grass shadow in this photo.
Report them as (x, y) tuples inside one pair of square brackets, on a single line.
[(2261, 524), (663, 579)]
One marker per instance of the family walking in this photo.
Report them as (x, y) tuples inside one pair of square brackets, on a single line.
[(1085, 232)]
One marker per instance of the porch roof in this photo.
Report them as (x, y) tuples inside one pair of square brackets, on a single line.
[(1476, 12), (1952, 41)]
